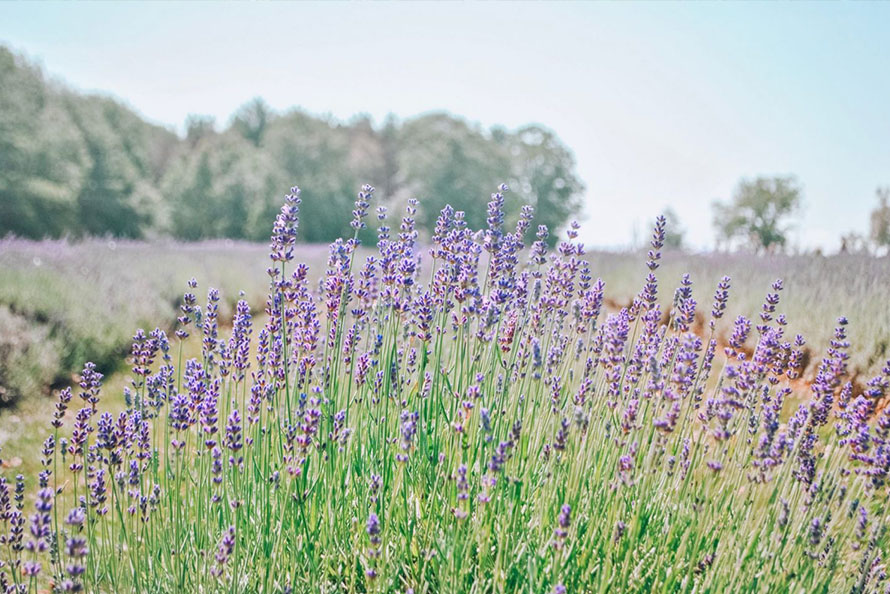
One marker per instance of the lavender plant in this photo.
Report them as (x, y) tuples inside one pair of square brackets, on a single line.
[(470, 419)]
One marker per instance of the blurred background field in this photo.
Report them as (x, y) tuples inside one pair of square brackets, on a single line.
[(63, 303)]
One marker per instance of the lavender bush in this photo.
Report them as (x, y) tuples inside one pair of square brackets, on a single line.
[(62, 303), (472, 420)]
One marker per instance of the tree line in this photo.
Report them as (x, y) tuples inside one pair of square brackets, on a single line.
[(762, 211), (73, 165), (76, 165)]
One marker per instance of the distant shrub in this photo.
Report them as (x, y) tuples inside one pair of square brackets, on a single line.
[(80, 300), (29, 358)]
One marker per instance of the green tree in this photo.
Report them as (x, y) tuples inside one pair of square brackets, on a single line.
[(40, 154), (198, 127), (252, 119), (443, 160), (759, 212), (391, 182), (543, 175), (314, 154), (189, 198), (118, 195), (223, 188), (71, 163), (880, 220)]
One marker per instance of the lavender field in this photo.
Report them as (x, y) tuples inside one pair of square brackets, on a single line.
[(63, 302), (480, 414)]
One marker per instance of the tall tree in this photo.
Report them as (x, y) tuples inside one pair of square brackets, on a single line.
[(198, 127), (759, 213), (222, 189), (252, 119), (391, 182), (444, 160), (40, 154), (880, 220), (117, 196), (71, 163), (544, 176)]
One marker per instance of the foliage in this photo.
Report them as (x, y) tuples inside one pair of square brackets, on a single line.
[(73, 165), (217, 190), (880, 219), (542, 175), (453, 422), (252, 120), (759, 212), (446, 161)]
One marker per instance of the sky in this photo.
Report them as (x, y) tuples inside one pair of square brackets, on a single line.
[(662, 104)]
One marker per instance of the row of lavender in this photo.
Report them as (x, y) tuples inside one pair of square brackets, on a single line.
[(468, 421)]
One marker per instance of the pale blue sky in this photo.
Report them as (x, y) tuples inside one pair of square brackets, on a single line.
[(661, 103)]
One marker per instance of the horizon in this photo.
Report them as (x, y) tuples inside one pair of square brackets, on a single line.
[(783, 108)]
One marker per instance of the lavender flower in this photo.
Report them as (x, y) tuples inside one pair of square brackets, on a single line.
[(562, 531), (233, 439), (721, 297), (284, 232), (372, 527), (657, 243), (409, 429), (224, 551), (362, 203)]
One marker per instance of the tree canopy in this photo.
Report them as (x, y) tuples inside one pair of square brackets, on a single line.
[(759, 212), (880, 219), (73, 165)]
